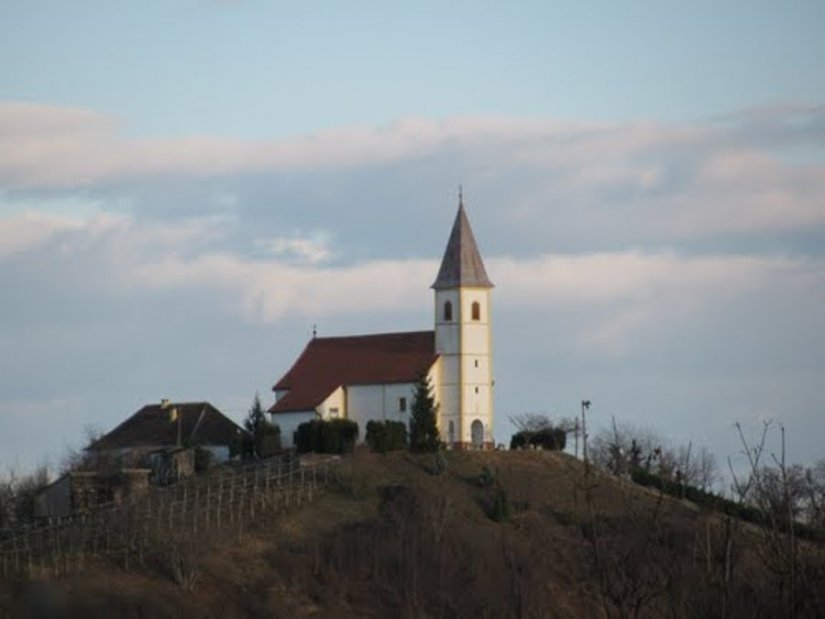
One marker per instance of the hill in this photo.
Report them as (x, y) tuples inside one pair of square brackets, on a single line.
[(474, 534)]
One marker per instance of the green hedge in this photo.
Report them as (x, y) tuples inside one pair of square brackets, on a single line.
[(718, 503), (553, 439), (336, 436), (384, 436)]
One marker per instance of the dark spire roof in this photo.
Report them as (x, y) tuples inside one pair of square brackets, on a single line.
[(462, 264)]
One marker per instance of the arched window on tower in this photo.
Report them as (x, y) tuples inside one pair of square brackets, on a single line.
[(476, 310), (448, 311)]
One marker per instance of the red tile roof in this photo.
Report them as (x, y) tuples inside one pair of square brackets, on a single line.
[(200, 423), (329, 362)]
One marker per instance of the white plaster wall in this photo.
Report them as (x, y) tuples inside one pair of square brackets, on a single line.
[(378, 403), (475, 375), (391, 396), (475, 338), (289, 422), (364, 403), (449, 370), (447, 333), (466, 362), (335, 400)]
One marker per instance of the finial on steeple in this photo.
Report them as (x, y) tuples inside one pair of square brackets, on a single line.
[(460, 197)]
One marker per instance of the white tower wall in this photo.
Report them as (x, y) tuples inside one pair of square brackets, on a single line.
[(464, 343)]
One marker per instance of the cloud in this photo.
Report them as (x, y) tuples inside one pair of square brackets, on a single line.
[(298, 249), (566, 182), (684, 260), (617, 293)]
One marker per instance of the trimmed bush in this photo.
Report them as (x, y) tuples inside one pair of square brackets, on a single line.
[(384, 436), (500, 509), (336, 436), (717, 503), (487, 477), (552, 439), (439, 463), (521, 440)]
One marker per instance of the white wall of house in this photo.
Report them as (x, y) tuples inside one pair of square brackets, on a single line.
[(289, 422), (334, 406), (378, 403)]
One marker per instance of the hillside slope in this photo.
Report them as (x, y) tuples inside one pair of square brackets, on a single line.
[(523, 534)]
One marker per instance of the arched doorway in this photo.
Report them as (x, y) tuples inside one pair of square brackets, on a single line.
[(477, 431)]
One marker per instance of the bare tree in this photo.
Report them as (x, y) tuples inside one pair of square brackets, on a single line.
[(707, 471), (531, 422), (814, 508), (78, 458), (17, 495), (778, 490)]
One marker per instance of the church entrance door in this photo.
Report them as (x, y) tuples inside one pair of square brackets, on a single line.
[(477, 430)]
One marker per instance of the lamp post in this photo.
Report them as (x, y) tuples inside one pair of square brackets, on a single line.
[(585, 406)]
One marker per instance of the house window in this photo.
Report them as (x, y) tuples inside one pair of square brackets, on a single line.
[(476, 389), (476, 362), (402, 405), (448, 311), (333, 413), (476, 310)]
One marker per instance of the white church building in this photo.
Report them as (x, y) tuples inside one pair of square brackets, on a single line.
[(372, 377)]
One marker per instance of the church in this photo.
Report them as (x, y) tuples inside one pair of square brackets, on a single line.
[(372, 377)]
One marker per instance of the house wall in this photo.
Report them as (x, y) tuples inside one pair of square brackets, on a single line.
[(54, 501), (334, 406), (220, 453), (378, 403), (289, 422)]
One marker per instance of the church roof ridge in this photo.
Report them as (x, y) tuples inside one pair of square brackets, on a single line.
[(373, 336), (462, 265)]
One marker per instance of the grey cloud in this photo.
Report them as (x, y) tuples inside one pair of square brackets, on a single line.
[(171, 296)]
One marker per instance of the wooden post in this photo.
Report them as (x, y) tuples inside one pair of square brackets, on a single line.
[(254, 493), (220, 499), (208, 500), (232, 499), (195, 511)]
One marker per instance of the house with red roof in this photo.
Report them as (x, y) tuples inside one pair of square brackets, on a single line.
[(372, 377), (165, 425)]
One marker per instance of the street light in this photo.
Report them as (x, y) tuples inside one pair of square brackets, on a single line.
[(585, 406)]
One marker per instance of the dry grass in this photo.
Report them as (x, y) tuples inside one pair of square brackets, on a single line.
[(390, 538)]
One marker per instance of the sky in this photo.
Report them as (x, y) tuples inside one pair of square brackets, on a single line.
[(187, 187)]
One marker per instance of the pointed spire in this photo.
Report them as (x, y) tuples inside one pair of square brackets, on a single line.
[(462, 264)]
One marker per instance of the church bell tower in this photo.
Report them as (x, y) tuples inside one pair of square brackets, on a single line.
[(463, 339)]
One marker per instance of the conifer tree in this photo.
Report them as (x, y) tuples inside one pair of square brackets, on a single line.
[(266, 436), (423, 427)]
